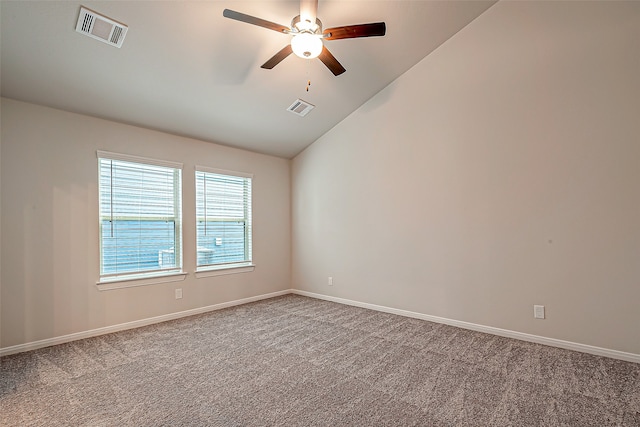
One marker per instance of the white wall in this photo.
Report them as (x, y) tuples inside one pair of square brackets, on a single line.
[(502, 171), (50, 253)]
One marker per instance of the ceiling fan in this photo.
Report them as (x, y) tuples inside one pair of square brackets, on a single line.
[(308, 35)]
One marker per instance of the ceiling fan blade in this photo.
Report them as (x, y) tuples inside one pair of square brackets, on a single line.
[(354, 31), (308, 10), (278, 57), (331, 62), (232, 14)]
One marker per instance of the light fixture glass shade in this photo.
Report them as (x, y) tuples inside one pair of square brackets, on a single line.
[(306, 45)]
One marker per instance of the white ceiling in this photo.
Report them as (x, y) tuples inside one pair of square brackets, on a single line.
[(186, 70)]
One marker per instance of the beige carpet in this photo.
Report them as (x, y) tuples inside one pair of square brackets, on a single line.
[(297, 361)]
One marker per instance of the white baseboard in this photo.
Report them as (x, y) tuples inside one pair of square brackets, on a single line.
[(130, 325), (598, 351)]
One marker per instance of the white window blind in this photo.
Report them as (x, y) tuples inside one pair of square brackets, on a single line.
[(223, 211), (140, 215)]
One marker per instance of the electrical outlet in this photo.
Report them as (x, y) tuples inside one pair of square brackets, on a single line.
[(538, 311), (178, 293), (330, 281)]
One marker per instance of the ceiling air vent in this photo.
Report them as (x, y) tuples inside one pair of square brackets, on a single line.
[(300, 107), (100, 27)]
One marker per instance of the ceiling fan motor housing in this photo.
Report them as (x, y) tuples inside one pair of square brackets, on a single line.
[(301, 26)]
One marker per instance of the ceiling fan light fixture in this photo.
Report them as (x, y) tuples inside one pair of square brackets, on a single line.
[(306, 45)]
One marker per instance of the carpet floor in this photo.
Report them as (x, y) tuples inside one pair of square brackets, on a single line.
[(298, 361)]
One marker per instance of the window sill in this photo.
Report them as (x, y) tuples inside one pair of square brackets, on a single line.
[(107, 284), (226, 269)]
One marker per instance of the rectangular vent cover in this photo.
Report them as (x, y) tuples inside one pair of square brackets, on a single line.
[(300, 107), (100, 27)]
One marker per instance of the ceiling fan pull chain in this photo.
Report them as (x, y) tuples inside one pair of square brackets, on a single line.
[(308, 75)]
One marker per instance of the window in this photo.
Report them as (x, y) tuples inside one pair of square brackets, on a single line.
[(140, 216), (223, 211)]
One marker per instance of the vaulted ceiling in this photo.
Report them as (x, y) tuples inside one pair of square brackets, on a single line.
[(187, 70)]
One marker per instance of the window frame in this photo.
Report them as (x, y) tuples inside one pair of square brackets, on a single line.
[(142, 277), (247, 264)]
